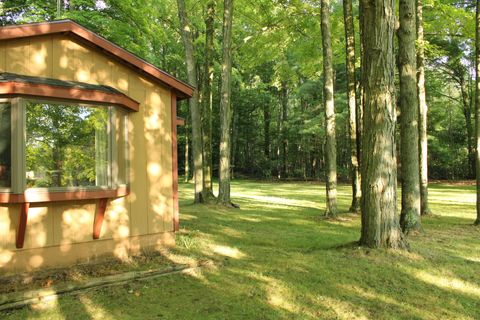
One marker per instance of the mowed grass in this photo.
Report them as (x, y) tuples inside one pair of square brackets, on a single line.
[(276, 258)]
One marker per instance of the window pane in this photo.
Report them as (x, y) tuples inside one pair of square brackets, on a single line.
[(5, 145), (122, 150), (67, 145)]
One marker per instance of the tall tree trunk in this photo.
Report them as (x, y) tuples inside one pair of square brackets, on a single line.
[(187, 150), (208, 100), (284, 99), (380, 225), (196, 120), (360, 105), (352, 104), (467, 113), (234, 142), (59, 9), (277, 147), (266, 136), (330, 143), (477, 107), (266, 130), (225, 106), (422, 113), (410, 214)]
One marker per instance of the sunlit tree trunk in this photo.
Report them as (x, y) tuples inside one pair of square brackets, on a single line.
[(467, 113), (361, 96), (352, 103), (208, 99), (477, 106), (410, 214), (225, 106), (187, 150), (423, 112), (380, 223), (196, 120), (234, 142), (330, 143)]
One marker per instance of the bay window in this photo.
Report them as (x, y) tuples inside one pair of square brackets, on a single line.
[(61, 146)]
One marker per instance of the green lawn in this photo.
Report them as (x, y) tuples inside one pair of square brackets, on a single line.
[(276, 258)]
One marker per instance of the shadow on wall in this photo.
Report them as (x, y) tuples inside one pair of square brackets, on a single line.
[(148, 208)]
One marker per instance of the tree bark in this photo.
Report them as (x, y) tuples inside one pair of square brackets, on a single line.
[(329, 106), (196, 121), (423, 112), (59, 9), (234, 151), (477, 107), (225, 106), (467, 113), (266, 130), (187, 151), (208, 99), (380, 224), (352, 104), (266, 137), (410, 214), (284, 99), (361, 91)]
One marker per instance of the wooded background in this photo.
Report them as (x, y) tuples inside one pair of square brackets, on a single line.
[(278, 121)]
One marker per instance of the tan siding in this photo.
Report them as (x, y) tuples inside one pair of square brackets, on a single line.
[(8, 223), (40, 57), (83, 63), (16, 56), (102, 70), (117, 220), (138, 197), (73, 222), (120, 78), (63, 57), (154, 127), (39, 231), (149, 207), (166, 145), (2, 57)]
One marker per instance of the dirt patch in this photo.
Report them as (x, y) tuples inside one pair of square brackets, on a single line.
[(81, 272)]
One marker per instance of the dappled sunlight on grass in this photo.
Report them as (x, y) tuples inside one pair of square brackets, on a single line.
[(386, 301), (228, 252), (341, 309), (279, 200), (446, 282), (95, 311), (277, 257)]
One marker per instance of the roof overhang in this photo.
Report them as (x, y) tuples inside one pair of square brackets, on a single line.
[(19, 85), (69, 27)]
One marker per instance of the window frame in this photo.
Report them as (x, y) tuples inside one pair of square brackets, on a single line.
[(10, 189), (18, 147)]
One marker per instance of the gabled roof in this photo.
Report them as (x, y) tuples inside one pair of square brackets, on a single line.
[(70, 27)]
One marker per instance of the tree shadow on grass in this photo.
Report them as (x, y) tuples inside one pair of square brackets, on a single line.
[(280, 262)]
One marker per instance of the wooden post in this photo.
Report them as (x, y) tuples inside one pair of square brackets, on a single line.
[(22, 224), (99, 215)]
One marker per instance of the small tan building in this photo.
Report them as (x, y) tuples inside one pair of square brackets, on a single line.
[(88, 159)]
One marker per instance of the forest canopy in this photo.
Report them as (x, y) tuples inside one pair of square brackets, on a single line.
[(277, 121)]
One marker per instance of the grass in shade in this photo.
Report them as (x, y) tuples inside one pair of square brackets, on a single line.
[(277, 258)]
